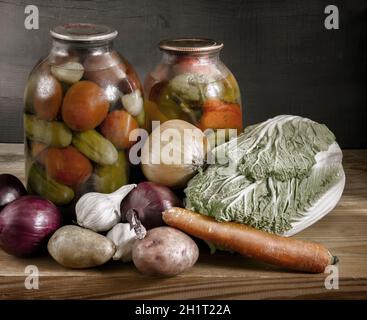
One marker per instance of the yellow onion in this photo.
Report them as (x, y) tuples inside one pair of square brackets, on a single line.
[(173, 153)]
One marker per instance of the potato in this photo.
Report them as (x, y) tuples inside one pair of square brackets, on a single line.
[(76, 247), (164, 251)]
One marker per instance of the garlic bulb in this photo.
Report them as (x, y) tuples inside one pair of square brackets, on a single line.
[(124, 238), (100, 211), (173, 153), (133, 102)]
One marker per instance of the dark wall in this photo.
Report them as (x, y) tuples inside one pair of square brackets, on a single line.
[(282, 55)]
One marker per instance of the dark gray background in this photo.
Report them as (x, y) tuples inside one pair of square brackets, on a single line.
[(280, 52)]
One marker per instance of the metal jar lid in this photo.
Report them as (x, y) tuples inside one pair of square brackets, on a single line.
[(193, 45), (83, 32)]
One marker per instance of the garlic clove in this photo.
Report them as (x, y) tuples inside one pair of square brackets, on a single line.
[(99, 211), (124, 190), (124, 238), (133, 102)]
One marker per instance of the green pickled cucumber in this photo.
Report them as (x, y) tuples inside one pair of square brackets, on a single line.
[(188, 86), (95, 147), (141, 119), (52, 133), (231, 92), (174, 107), (109, 178), (40, 183)]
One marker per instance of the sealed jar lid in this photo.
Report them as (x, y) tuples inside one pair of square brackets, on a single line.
[(190, 45), (83, 32)]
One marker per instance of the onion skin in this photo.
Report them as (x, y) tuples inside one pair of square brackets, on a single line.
[(26, 224), (149, 200), (173, 176), (192, 154), (11, 188)]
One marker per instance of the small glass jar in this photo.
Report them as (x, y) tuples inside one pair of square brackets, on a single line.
[(191, 83), (81, 103)]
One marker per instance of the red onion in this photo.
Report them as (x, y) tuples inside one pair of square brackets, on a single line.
[(11, 188), (148, 200), (26, 224)]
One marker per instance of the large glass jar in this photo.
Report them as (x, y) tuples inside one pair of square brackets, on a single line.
[(81, 103), (191, 83)]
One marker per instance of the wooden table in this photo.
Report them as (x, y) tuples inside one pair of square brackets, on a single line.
[(221, 276)]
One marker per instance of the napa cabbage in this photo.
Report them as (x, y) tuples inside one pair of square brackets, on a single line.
[(280, 176)]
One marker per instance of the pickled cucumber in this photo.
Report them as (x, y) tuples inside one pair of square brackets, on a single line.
[(231, 92), (141, 119), (188, 86), (52, 133), (172, 105), (109, 178), (95, 147), (45, 186)]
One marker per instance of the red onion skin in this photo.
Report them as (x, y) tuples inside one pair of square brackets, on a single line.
[(149, 200), (11, 188), (26, 224)]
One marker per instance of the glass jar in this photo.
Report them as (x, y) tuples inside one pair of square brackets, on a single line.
[(81, 103), (191, 83)]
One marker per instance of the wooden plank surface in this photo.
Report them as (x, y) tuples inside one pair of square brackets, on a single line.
[(284, 59), (222, 275)]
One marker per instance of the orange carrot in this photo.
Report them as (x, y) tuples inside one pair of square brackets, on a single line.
[(285, 252)]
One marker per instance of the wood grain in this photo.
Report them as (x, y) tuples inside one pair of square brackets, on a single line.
[(221, 276), (285, 61)]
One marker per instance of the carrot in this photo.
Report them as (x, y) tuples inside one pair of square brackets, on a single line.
[(285, 252)]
